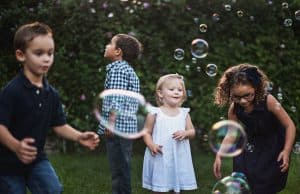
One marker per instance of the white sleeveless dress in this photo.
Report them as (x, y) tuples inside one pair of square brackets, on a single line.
[(172, 170)]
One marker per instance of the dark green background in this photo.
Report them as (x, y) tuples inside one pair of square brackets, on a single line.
[(83, 28)]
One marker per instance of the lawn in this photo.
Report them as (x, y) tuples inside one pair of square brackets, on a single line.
[(88, 173)]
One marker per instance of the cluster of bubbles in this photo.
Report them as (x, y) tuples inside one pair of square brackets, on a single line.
[(199, 50), (287, 22), (113, 105), (236, 183), (132, 6), (199, 47)]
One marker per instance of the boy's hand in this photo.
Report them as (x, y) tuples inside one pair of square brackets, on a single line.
[(284, 156), (89, 139), (25, 151), (155, 149), (179, 135)]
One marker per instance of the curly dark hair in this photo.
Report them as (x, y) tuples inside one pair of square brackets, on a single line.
[(241, 74), (130, 46)]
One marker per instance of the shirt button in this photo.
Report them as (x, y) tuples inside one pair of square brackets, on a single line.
[(37, 92), (40, 105)]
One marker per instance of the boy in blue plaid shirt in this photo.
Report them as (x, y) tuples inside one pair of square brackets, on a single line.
[(122, 50)]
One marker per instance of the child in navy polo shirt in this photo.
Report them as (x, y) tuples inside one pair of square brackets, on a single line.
[(122, 50), (29, 107)]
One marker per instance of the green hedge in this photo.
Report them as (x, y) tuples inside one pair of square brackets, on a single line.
[(83, 27)]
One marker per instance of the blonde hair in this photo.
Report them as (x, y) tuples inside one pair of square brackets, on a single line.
[(162, 80)]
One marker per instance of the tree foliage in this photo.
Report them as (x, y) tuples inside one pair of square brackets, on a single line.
[(82, 28)]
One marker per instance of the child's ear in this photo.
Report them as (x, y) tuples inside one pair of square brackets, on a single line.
[(20, 55), (118, 52), (159, 94)]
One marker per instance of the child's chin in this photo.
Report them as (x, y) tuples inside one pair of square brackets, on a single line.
[(42, 73), (245, 105)]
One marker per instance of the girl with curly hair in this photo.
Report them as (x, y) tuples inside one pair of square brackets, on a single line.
[(270, 131)]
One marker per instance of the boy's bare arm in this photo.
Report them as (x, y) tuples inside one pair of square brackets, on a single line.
[(87, 138), (67, 132), (7, 139)]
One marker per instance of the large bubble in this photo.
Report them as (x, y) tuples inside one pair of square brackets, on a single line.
[(199, 48), (121, 112), (227, 138)]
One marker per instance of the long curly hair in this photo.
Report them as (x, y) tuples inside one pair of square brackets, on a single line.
[(242, 74)]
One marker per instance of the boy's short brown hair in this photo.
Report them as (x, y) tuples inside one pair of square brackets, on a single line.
[(28, 32), (130, 46)]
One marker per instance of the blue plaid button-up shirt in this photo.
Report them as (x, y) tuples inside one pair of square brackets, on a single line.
[(120, 75)]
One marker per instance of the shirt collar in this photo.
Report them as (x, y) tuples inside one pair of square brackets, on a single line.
[(114, 64), (28, 84)]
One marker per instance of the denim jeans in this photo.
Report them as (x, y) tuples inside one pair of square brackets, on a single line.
[(119, 155), (40, 179)]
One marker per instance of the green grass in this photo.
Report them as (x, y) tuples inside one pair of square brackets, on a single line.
[(89, 173)]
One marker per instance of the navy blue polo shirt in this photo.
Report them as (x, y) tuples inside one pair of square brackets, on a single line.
[(27, 111)]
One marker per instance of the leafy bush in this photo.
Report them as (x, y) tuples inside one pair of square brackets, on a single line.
[(82, 28)]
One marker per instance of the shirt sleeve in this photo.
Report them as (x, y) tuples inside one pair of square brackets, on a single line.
[(58, 116), (185, 111), (6, 108), (152, 110)]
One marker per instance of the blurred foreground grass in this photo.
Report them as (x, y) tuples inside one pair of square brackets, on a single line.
[(88, 173)]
